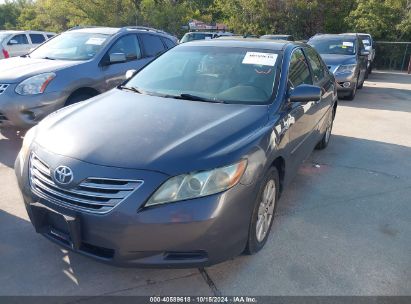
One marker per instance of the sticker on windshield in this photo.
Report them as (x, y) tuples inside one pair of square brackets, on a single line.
[(96, 41), (348, 43), (260, 58)]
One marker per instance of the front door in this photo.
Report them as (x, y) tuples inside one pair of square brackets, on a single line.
[(115, 73), (301, 116)]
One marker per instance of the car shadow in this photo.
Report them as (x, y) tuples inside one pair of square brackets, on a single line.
[(10, 145)]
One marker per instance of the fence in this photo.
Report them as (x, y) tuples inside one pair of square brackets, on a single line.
[(392, 55)]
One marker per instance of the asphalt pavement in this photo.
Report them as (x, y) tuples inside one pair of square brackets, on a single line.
[(342, 227)]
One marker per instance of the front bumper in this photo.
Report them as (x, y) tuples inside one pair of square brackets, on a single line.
[(26, 111), (192, 233)]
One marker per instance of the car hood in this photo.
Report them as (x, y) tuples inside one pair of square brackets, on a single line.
[(336, 59), (17, 69), (129, 130)]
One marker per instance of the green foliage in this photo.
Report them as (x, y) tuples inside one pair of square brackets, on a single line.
[(385, 19)]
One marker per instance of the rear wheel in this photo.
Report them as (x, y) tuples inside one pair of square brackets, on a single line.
[(327, 135), (263, 213)]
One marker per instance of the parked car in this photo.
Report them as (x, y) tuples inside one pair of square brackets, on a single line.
[(192, 36), (182, 165), (369, 45), (72, 67), (278, 37), (346, 57), (18, 43)]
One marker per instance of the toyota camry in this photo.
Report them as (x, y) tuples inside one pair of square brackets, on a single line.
[(182, 165)]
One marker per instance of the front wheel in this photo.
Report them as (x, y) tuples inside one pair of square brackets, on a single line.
[(263, 213)]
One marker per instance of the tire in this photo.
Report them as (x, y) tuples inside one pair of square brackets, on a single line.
[(261, 211), (75, 98), (323, 143), (353, 92)]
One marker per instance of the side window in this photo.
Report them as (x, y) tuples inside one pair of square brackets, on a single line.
[(50, 36), (127, 45), (298, 72), (316, 66), (170, 44), (37, 38), (20, 39), (152, 45)]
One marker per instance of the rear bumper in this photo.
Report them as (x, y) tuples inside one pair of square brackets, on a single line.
[(192, 233), (26, 111)]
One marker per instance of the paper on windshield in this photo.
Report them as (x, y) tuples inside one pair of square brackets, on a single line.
[(348, 43), (258, 58), (96, 41)]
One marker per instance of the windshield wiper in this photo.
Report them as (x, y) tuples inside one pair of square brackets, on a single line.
[(132, 89), (48, 58), (197, 98)]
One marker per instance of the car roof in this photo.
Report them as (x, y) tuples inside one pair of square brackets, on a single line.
[(97, 30), (28, 31), (328, 36), (256, 43), (276, 35), (201, 33)]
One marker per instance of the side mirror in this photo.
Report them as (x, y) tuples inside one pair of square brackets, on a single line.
[(13, 42), (118, 57), (364, 53), (305, 93), (130, 73)]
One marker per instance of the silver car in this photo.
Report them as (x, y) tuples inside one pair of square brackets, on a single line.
[(72, 67), (18, 43)]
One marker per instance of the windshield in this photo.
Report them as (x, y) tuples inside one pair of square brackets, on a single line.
[(334, 46), (71, 46), (213, 74), (196, 36)]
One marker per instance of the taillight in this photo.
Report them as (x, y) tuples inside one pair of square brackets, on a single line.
[(5, 53)]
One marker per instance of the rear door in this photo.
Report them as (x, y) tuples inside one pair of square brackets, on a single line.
[(322, 79), (36, 39), (152, 46), (18, 45), (115, 73)]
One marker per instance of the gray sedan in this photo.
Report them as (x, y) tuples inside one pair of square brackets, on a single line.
[(184, 164)]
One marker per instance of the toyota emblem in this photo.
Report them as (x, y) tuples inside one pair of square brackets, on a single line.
[(63, 175)]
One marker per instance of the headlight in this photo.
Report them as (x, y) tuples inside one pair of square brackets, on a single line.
[(28, 139), (35, 85), (349, 68), (198, 184)]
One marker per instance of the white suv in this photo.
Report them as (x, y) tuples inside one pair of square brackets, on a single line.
[(18, 43)]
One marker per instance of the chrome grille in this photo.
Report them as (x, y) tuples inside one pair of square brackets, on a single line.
[(95, 195), (3, 88)]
